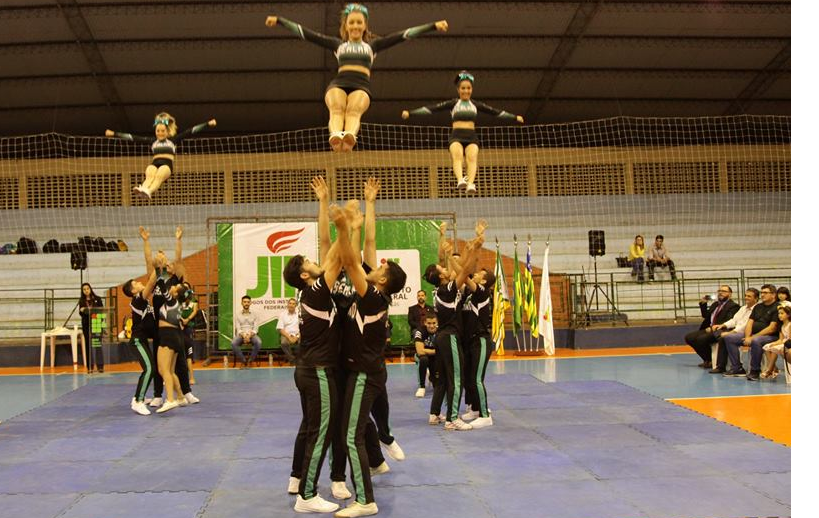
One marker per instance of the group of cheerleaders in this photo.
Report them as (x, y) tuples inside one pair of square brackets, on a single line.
[(341, 374), (163, 309), (347, 98)]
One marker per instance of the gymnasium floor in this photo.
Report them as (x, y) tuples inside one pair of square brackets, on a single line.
[(620, 433)]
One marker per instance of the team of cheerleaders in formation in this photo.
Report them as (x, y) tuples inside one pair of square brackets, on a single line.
[(347, 98), (341, 373)]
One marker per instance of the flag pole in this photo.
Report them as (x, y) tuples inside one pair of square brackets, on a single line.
[(517, 342)]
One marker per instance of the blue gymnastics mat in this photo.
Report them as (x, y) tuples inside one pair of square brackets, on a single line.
[(585, 449)]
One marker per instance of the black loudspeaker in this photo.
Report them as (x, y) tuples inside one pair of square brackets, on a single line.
[(597, 243), (79, 260)]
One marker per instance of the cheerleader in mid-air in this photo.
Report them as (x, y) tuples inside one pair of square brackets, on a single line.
[(348, 95), (463, 139), (163, 148)]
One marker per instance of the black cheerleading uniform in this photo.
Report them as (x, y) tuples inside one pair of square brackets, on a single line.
[(315, 380), (363, 344), (163, 147), (142, 328), (172, 336), (478, 339), (448, 349), (358, 53), (463, 111)]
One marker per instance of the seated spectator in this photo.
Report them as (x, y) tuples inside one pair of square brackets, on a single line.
[(762, 328), (778, 347), (247, 330), (720, 312), (658, 257), (783, 295), (288, 328), (418, 312), (735, 325), (637, 257), (425, 352)]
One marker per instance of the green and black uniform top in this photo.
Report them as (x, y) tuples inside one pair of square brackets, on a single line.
[(165, 146), (463, 110), (478, 314), (365, 332), (186, 310), (169, 307), (143, 322), (319, 339), (448, 303), (422, 335), (354, 52)]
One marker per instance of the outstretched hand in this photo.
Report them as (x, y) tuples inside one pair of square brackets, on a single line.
[(179, 232), (480, 227), (109, 133), (144, 234), (339, 217), (355, 215), (319, 187), (271, 21), (371, 188), (441, 26), (519, 118), (212, 123), (405, 114), (442, 229)]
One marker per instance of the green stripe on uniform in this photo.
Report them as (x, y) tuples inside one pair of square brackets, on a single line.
[(355, 409), (146, 380), (324, 391), (479, 372), (456, 365)]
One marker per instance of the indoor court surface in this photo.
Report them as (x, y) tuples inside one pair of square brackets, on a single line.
[(625, 433)]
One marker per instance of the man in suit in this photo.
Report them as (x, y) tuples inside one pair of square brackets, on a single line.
[(418, 313), (720, 311)]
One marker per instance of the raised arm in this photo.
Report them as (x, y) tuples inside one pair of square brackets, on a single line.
[(146, 248), (319, 187), (349, 259), (196, 129), (501, 114), (322, 40), (427, 110), (470, 259), (371, 188), (148, 290), (413, 32), (178, 249), (127, 136)]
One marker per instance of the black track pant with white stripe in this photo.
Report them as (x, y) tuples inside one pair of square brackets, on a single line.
[(450, 362), (362, 390), (480, 350), (317, 389), (146, 361)]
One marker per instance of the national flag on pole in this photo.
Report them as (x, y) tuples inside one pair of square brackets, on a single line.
[(500, 300), (547, 325), (517, 299), (529, 294)]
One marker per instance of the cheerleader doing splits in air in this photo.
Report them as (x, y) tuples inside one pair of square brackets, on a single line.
[(464, 111), (348, 95), (163, 148)]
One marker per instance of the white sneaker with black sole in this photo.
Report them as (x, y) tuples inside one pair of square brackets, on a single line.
[(394, 450), (293, 485), (314, 505)]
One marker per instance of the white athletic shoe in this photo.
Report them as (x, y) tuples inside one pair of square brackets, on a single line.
[(457, 425), (394, 450), (380, 470), (182, 402), (293, 485), (472, 414), (190, 398), (314, 505), (356, 509), (433, 419), (139, 407), (470, 188), (482, 422), (156, 402), (169, 405), (462, 183), (339, 490), (420, 392)]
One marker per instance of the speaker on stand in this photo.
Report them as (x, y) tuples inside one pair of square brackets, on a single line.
[(597, 248)]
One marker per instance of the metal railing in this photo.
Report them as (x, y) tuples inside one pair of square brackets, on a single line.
[(617, 297)]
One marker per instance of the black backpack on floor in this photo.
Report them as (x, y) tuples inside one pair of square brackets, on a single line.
[(26, 246)]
